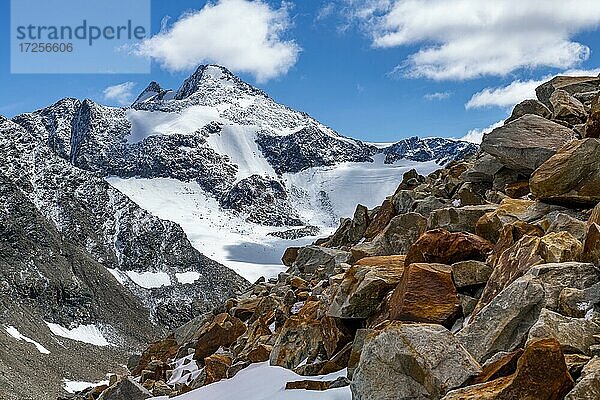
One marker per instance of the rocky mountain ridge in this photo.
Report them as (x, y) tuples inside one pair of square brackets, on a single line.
[(478, 281)]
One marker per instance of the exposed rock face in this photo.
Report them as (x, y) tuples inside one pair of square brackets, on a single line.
[(419, 361), (365, 285), (311, 258), (541, 374), (592, 126), (567, 108), (570, 84), (396, 237), (568, 177), (441, 246), (588, 388), (417, 149), (426, 293), (575, 335), (591, 245), (531, 106), (463, 219), (526, 143)]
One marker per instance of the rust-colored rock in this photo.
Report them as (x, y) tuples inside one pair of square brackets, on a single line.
[(441, 246), (163, 350), (222, 332), (260, 353), (215, 368), (510, 210), (504, 365), (516, 190), (289, 256), (383, 217), (541, 375), (426, 293), (592, 126), (591, 246), (335, 335), (308, 385)]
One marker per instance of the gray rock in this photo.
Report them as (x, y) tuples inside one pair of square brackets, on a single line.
[(503, 324), (483, 170), (126, 389), (575, 335), (461, 219), (402, 231), (310, 258), (570, 84), (588, 387), (526, 143), (578, 302), (565, 222), (411, 361), (470, 273), (529, 107)]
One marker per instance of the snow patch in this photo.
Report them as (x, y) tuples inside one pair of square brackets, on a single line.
[(149, 280), (12, 331), (83, 333), (78, 386), (187, 277), (262, 381)]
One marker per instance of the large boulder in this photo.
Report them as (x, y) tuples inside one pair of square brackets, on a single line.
[(299, 339), (125, 389), (382, 218), (588, 387), (575, 335), (402, 231), (462, 219), (591, 244), (504, 323), (365, 285), (411, 361), (570, 84), (483, 170), (541, 375), (569, 177), (223, 331), (592, 126), (443, 247), (526, 143), (567, 108), (311, 258), (529, 106), (426, 293), (470, 273)]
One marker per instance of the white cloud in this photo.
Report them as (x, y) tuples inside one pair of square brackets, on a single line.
[(120, 94), (326, 11), (476, 135), (242, 35), (464, 39), (437, 96), (517, 91)]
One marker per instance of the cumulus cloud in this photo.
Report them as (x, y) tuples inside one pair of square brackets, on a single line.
[(476, 135), (245, 36), (437, 96), (464, 39), (120, 94), (516, 91)]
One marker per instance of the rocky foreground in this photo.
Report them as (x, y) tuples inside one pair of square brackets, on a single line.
[(480, 281)]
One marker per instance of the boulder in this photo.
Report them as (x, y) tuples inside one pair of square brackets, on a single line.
[(588, 387), (125, 389), (382, 218), (483, 170), (426, 293), (504, 323), (526, 143), (516, 190), (471, 194), (565, 222), (470, 273), (463, 219), (222, 332), (311, 258), (215, 368), (502, 364), (569, 177), (541, 375), (357, 346), (577, 303), (162, 350), (575, 335), (570, 84), (402, 231), (289, 256), (365, 285), (411, 361), (441, 246), (523, 255), (567, 108), (592, 125), (530, 106), (490, 225), (591, 244)]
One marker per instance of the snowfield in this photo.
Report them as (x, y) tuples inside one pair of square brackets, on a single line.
[(321, 195), (264, 382), (12, 331), (83, 333)]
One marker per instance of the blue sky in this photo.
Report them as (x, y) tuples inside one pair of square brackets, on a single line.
[(377, 70)]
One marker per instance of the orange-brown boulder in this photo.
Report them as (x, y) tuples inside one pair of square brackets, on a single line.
[(162, 350), (426, 293), (441, 246), (591, 246), (541, 375), (222, 332), (383, 217), (215, 368)]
